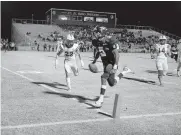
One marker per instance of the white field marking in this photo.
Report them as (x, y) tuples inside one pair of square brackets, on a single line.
[(29, 72), (43, 85), (151, 115), (55, 123), (89, 120), (29, 79), (170, 83)]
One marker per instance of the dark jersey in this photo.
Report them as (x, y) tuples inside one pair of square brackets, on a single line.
[(108, 51)]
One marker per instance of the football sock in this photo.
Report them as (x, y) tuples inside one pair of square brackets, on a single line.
[(68, 82)]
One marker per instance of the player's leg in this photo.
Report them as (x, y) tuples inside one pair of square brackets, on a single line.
[(176, 57), (104, 78), (179, 67), (152, 54), (67, 73), (74, 68), (159, 65), (113, 79), (165, 67)]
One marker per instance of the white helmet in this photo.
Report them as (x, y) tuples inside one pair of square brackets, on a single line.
[(162, 38), (70, 37)]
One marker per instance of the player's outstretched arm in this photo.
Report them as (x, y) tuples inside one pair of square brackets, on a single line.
[(80, 58), (60, 49)]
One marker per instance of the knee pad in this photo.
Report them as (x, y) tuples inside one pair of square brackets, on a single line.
[(111, 80), (108, 68)]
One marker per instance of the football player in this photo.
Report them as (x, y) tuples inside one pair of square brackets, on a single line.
[(162, 50), (106, 46), (179, 58), (69, 47)]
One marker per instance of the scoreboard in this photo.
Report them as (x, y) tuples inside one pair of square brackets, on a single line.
[(79, 17)]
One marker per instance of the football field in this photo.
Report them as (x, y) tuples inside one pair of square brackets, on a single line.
[(35, 100)]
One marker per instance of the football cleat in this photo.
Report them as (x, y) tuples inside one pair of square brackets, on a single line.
[(98, 104), (127, 70)]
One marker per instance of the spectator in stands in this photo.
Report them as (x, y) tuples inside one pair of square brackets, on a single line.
[(174, 52), (28, 33), (38, 47), (6, 45), (12, 46), (40, 36), (35, 42), (45, 47), (53, 48), (49, 46)]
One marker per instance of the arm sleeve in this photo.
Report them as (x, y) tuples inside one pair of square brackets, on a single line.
[(116, 56), (59, 49)]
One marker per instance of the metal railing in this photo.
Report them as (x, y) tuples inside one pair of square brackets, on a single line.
[(149, 28), (29, 21)]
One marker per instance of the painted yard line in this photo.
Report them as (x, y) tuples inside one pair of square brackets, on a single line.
[(89, 120), (29, 72), (43, 85), (31, 80), (150, 115), (55, 123)]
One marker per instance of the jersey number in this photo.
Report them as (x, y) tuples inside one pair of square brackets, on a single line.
[(163, 50), (69, 54), (102, 52)]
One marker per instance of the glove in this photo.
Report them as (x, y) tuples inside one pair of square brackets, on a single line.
[(114, 70), (82, 63)]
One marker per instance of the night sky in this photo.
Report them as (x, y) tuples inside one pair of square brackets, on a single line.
[(163, 15)]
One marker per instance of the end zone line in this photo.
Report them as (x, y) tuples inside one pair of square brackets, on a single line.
[(89, 120), (55, 123), (150, 115), (29, 79)]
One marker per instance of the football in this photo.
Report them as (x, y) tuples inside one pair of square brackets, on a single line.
[(93, 68)]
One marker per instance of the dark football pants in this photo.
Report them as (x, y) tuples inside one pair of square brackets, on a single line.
[(110, 78)]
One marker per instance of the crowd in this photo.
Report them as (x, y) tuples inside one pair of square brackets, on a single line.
[(127, 38), (7, 46)]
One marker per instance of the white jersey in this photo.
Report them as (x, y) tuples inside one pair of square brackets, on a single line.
[(162, 50), (69, 53)]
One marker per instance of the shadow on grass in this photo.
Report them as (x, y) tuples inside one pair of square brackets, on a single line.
[(80, 99), (141, 80), (152, 71), (156, 72), (53, 85)]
